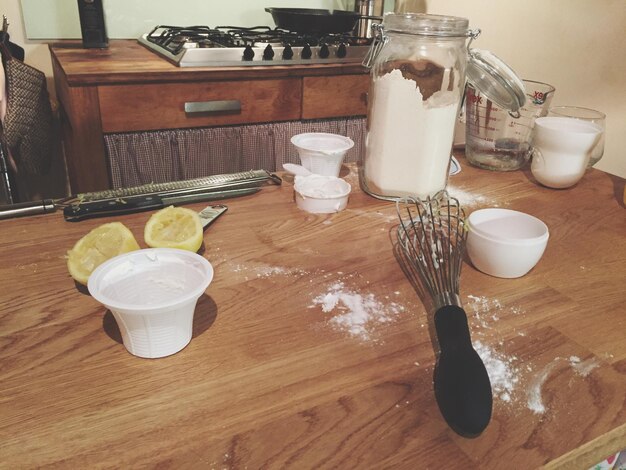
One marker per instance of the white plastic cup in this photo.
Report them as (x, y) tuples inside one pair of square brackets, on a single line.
[(561, 149), (319, 194), (322, 153), (152, 294)]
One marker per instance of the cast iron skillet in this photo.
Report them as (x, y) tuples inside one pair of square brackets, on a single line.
[(311, 20)]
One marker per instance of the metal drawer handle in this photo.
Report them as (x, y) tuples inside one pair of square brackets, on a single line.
[(212, 106)]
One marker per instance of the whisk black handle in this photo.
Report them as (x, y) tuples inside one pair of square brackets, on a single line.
[(462, 385), (452, 328)]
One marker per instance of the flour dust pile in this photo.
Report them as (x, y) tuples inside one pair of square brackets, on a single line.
[(357, 314)]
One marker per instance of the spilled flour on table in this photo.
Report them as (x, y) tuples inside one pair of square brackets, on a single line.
[(510, 381), (484, 313), (355, 313), (535, 402), (582, 368), (469, 199), (253, 269), (258, 270), (503, 374), (390, 217)]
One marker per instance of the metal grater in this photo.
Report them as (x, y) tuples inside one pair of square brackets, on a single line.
[(243, 179), (148, 196)]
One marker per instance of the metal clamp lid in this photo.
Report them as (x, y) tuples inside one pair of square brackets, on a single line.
[(485, 71), (378, 42), (496, 80), (380, 39)]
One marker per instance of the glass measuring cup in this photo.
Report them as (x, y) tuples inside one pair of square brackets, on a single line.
[(497, 139)]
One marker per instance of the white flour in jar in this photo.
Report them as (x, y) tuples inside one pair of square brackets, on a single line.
[(409, 140)]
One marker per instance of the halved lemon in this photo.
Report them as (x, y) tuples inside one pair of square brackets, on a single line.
[(99, 245), (174, 227)]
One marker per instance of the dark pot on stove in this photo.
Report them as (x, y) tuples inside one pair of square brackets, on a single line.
[(311, 20)]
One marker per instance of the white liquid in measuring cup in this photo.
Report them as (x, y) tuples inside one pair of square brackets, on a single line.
[(409, 140)]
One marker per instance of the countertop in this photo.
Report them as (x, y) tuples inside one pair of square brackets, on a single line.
[(279, 372), (127, 61)]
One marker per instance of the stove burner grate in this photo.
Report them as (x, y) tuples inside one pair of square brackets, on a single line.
[(175, 38)]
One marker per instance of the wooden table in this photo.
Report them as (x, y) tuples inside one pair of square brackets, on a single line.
[(270, 380)]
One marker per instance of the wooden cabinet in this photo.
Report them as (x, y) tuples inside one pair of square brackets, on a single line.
[(334, 96), (127, 88)]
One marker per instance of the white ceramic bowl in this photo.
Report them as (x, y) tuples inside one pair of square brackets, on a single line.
[(152, 294), (505, 243), (322, 153), (321, 194)]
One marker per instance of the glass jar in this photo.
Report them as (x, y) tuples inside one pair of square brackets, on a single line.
[(417, 82)]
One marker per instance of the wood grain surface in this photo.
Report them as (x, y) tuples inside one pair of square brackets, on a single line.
[(81, 132), (127, 108), (336, 96), (126, 61), (271, 380)]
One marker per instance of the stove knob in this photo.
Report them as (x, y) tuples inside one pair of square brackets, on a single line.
[(268, 53), (248, 53), (324, 52), (342, 51), (306, 52), (287, 52)]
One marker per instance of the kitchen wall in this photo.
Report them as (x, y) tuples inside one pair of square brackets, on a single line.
[(575, 45), (46, 19)]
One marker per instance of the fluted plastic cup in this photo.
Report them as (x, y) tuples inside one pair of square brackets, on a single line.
[(152, 294), (322, 153)]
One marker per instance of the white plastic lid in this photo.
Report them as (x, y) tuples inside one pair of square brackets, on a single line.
[(323, 142), (150, 280)]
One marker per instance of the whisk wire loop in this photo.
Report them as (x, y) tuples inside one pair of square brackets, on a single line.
[(432, 236)]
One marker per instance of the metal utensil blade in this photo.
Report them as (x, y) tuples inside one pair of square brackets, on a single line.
[(210, 213)]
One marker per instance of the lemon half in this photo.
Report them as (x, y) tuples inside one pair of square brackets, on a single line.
[(174, 227), (99, 245)]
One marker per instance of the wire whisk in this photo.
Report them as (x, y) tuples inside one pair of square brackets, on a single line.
[(432, 235)]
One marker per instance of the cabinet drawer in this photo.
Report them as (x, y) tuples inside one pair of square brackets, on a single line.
[(336, 96), (127, 108)]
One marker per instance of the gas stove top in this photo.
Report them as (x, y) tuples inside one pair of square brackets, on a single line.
[(226, 46)]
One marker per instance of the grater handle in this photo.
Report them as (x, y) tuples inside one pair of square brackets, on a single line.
[(89, 210), (129, 205)]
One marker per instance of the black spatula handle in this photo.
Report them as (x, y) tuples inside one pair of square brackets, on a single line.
[(462, 385)]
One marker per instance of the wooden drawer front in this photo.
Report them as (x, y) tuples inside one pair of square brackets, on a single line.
[(127, 108), (344, 95)]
